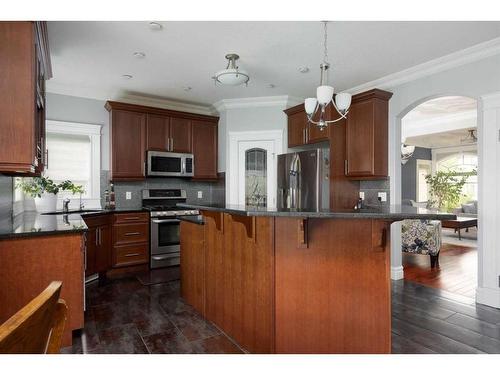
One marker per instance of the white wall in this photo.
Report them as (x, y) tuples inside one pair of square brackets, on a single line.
[(474, 80)]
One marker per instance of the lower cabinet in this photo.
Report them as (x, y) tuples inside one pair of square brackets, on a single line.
[(130, 239), (98, 244)]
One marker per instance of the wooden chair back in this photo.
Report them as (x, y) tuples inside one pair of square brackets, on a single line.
[(38, 327)]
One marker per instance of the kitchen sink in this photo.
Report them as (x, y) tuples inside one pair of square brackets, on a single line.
[(70, 212)]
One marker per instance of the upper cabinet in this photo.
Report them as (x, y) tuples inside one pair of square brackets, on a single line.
[(24, 66), (367, 136), (300, 131), (135, 129), (205, 150)]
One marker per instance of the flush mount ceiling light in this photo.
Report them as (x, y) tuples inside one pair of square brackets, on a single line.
[(127, 76), (155, 26), (232, 75), (139, 55), (471, 137), (324, 94), (304, 69)]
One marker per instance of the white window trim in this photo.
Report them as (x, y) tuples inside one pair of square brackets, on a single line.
[(94, 132)]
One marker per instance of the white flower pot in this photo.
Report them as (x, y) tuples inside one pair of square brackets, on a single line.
[(46, 203)]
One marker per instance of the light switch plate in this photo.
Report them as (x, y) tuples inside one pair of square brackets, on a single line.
[(128, 195), (362, 195), (382, 196), (200, 194)]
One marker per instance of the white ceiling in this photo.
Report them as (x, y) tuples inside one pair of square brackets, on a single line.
[(440, 122), (89, 58)]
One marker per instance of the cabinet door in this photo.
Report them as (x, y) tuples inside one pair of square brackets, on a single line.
[(359, 140), (296, 129), (128, 145), (103, 251), (91, 251), (205, 149), (157, 132), (180, 135)]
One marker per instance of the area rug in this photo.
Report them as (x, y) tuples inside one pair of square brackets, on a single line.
[(161, 275)]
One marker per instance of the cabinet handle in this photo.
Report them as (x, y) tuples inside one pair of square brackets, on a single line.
[(132, 233), (97, 236), (346, 167), (131, 255), (100, 236), (131, 218), (171, 144), (304, 135)]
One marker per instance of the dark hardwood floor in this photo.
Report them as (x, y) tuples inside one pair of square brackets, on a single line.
[(127, 317), (457, 271)]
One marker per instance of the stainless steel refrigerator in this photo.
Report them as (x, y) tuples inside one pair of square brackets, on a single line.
[(303, 180)]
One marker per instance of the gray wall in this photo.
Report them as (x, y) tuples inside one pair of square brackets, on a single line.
[(5, 196), (409, 173)]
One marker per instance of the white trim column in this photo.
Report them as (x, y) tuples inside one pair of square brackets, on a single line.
[(488, 291)]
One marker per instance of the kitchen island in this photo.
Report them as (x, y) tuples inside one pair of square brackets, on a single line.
[(294, 281)]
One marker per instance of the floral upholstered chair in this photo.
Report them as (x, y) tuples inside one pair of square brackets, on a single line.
[(422, 237)]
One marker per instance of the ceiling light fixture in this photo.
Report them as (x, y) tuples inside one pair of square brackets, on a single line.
[(271, 86), (406, 152), (232, 75), (127, 76), (471, 137), (139, 55), (155, 26), (187, 88), (304, 69), (324, 94)]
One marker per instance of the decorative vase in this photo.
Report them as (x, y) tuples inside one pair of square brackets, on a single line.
[(46, 203)]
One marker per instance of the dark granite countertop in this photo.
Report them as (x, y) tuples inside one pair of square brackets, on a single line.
[(32, 223), (388, 212), (196, 219)]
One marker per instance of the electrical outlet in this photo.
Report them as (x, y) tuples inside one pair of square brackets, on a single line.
[(128, 195), (362, 195), (200, 194), (382, 196)]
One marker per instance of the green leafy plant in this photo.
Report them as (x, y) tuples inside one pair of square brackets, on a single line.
[(36, 186), (445, 188)]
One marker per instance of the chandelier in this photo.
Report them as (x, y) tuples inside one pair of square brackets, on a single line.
[(471, 137), (232, 75), (325, 93)]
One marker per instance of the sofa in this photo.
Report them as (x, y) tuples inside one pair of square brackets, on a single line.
[(468, 209)]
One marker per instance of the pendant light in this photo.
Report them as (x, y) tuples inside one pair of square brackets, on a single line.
[(325, 93)]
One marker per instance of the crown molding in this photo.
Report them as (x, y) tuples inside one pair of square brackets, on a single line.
[(282, 101), (477, 52)]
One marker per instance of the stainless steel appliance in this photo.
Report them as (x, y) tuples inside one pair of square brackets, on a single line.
[(303, 180), (169, 164), (164, 233)]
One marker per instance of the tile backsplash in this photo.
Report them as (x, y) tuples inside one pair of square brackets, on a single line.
[(371, 188), (212, 192), (5, 196)]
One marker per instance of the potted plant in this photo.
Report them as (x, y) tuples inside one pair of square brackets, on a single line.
[(44, 191), (445, 188)]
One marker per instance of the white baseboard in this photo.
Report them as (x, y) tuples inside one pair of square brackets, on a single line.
[(488, 296), (397, 273)]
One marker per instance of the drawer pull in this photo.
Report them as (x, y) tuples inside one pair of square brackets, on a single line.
[(131, 218), (132, 255), (132, 233)]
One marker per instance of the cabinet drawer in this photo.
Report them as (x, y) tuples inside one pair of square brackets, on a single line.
[(129, 255), (132, 217), (96, 220), (130, 233)]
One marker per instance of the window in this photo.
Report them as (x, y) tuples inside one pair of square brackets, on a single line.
[(256, 177), (461, 162), (74, 153)]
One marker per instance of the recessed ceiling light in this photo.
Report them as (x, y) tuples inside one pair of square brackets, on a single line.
[(155, 26), (187, 88), (271, 86), (127, 76), (304, 69), (139, 55)]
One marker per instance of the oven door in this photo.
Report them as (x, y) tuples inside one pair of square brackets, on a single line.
[(165, 164), (165, 236)]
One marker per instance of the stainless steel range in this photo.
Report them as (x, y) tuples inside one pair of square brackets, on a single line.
[(164, 235)]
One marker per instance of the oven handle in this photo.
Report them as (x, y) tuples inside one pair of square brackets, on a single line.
[(163, 257), (156, 221)]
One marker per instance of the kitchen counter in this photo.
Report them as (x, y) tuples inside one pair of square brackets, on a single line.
[(389, 212), (32, 223)]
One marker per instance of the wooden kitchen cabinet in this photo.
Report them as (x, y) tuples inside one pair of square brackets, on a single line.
[(98, 244), (25, 66), (130, 239), (367, 135), (128, 145), (204, 149), (136, 129), (300, 131)]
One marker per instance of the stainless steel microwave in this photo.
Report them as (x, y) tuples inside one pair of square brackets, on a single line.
[(169, 164)]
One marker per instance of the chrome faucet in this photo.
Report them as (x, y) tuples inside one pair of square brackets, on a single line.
[(66, 204)]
